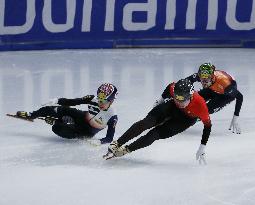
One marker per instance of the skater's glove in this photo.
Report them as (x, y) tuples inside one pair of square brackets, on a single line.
[(200, 155), (105, 140), (158, 101), (53, 101), (234, 126), (49, 120), (88, 97)]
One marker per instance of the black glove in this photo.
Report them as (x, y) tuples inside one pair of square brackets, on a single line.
[(88, 98), (49, 120)]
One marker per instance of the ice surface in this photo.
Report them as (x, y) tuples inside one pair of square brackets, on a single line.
[(37, 167)]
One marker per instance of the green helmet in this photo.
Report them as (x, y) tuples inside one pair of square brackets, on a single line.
[(206, 70)]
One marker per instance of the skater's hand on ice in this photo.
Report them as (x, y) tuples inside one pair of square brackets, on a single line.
[(234, 126), (53, 101), (200, 155)]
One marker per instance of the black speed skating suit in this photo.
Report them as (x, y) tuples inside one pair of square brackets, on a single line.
[(167, 120), (73, 123)]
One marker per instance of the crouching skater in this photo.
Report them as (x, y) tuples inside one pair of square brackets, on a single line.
[(167, 120)]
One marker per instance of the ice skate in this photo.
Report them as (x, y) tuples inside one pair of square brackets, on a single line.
[(23, 114), (118, 152)]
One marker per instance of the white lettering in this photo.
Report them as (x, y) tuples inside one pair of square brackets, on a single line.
[(150, 8), (170, 14), (47, 17), (86, 19), (129, 24), (233, 22), (109, 16), (30, 17), (191, 14), (212, 14)]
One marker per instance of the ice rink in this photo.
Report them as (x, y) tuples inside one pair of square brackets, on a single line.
[(38, 168)]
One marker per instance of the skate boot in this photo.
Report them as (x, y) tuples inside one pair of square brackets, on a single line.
[(114, 150), (113, 147), (23, 114), (121, 151)]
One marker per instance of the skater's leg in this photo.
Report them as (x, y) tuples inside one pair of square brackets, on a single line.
[(48, 111), (136, 129), (218, 103), (155, 116), (65, 131), (167, 129), (60, 112)]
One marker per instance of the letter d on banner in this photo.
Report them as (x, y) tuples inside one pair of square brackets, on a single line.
[(30, 17), (150, 8)]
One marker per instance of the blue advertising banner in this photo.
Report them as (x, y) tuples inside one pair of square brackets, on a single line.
[(52, 24)]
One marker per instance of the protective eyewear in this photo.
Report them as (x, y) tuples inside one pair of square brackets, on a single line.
[(102, 101), (205, 75), (181, 103)]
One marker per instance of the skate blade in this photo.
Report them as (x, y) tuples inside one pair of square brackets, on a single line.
[(21, 118), (108, 155)]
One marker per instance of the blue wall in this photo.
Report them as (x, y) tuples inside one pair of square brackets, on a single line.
[(52, 24)]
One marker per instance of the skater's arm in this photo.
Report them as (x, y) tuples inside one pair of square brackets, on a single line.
[(231, 91), (206, 133), (166, 93), (205, 118), (165, 96), (239, 102), (111, 130), (76, 101), (193, 78)]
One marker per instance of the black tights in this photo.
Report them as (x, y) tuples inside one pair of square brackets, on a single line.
[(166, 121), (79, 129)]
